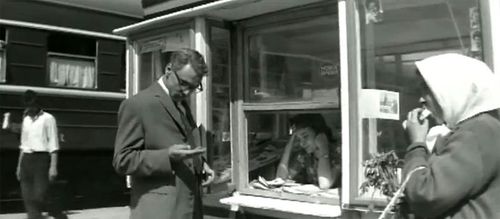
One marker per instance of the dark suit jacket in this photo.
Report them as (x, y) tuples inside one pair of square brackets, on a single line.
[(148, 124)]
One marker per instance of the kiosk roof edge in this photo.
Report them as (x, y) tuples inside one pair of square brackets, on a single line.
[(198, 10)]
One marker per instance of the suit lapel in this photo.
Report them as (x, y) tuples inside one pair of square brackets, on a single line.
[(169, 105)]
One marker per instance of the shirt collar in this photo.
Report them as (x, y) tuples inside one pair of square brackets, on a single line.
[(36, 116), (160, 81)]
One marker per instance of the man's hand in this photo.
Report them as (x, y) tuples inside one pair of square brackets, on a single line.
[(52, 174), (179, 152), (417, 129), (210, 174)]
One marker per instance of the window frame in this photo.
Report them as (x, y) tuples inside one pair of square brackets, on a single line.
[(72, 56), (67, 56), (3, 49), (156, 35), (209, 91), (351, 78), (240, 107), (3, 65)]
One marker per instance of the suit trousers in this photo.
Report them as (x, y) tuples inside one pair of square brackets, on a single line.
[(34, 181)]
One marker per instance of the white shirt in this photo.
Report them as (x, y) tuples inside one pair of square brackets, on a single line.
[(160, 81), (39, 134), (177, 104)]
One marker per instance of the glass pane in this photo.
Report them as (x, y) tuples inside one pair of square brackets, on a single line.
[(2, 65), (71, 44), (2, 55), (3, 34), (294, 62), (146, 70), (72, 72), (219, 154), (152, 65), (288, 150), (155, 53), (389, 49)]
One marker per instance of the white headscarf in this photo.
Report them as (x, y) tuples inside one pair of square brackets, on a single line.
[(462, 86)]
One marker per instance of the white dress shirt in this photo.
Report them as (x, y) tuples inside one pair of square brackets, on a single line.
[(39, 134), (160, 81)]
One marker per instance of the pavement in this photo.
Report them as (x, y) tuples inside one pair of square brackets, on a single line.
[(96, 213)]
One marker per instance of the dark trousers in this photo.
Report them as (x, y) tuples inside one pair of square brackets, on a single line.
[(34, 182)]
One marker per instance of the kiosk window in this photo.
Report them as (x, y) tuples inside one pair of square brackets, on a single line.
[(395, 34), (295, 62), (290, 108)]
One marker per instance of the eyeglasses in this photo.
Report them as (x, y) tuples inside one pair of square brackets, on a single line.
[(190, 87)]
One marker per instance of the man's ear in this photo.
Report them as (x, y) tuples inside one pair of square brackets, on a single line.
[(168, 68)]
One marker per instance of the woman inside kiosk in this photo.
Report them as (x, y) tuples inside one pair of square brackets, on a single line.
[(309, 156)]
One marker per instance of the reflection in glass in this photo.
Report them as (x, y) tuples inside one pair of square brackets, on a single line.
[(219, 154), (408, 32), (294, 62), (152, 66), (154, 54), (2, 64), (292, 148)]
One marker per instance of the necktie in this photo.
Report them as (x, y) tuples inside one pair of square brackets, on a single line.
[(187, 119), (189, 126)]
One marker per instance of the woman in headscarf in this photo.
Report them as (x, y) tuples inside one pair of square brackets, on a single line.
[(461, 178)]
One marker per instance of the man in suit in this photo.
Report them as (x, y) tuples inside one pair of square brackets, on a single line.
[(154, 144)]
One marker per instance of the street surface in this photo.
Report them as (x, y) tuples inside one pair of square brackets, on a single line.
[(98, 213)]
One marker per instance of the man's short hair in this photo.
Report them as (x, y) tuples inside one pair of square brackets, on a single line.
[(182, 57), (30, 98)]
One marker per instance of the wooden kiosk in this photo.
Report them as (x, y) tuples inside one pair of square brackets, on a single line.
[(349, 61)]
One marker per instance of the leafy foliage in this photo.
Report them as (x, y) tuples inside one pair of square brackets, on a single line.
[(381, 173)]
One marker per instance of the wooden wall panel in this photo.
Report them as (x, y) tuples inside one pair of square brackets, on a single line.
[(63, 103), (84, 124), (63, 16), (26, 57), (111, 65)]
